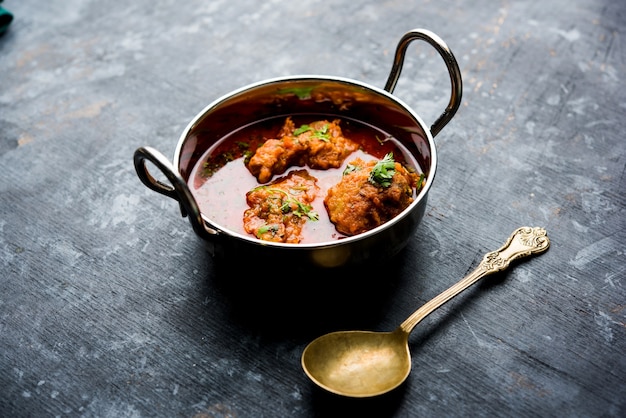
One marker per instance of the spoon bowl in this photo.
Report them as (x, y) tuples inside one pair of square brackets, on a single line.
[(362, 364), (358, 363)]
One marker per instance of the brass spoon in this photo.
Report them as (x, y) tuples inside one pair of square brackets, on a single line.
[(363, 363)]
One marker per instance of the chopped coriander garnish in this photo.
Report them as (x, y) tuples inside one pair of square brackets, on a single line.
[(273, 228), (301, 130), (350, 168), (321, 133), (383, 171), (303, 93), (301, 208), (228, 156), (247, 154)]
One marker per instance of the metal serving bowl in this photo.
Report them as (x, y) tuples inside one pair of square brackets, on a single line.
[(306, 94)]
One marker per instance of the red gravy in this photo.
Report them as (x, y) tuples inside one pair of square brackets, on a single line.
[(220, 179)]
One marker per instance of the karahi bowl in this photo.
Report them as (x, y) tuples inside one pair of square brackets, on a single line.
[(308, 95)]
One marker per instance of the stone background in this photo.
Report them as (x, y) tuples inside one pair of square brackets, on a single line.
[(111, 307)]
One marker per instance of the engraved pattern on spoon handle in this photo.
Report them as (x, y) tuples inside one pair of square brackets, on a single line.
[(523, 242)]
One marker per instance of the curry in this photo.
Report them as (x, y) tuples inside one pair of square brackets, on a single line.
[(305, 178)]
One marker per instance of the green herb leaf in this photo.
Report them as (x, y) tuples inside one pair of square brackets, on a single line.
[(350, 168), (303, 93), (302, 129), (273, 228), (322, 133), (301, 208), (420, 183), (307, 211), (247, 155), (383, 171)]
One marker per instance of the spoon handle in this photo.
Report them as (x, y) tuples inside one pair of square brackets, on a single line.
[(523, 242)]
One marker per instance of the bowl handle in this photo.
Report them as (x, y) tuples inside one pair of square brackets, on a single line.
[(178, 190), (453, 70)]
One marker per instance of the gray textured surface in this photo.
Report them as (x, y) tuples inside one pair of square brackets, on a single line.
[(110, 306)]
